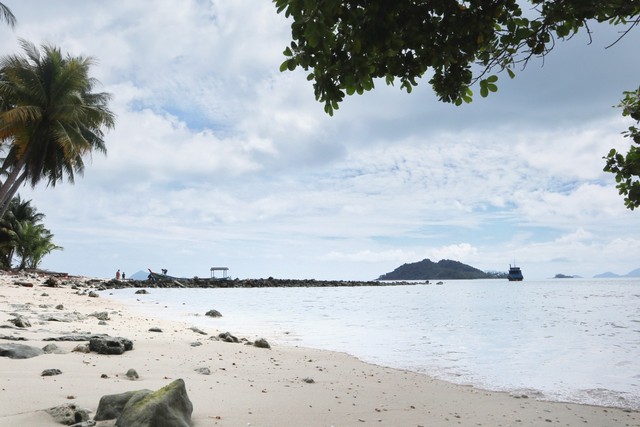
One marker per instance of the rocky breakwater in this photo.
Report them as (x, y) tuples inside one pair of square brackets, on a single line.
[(173, 282)]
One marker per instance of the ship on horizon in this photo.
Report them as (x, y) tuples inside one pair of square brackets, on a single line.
[(515, 274)]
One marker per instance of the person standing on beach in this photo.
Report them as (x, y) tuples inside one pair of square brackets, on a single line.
[(124, 277), (118, 274)]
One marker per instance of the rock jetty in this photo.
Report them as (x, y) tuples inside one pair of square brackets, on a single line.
[(172, 282)]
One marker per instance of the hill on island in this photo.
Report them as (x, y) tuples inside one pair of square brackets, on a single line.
[(609, 275), (442, 270)]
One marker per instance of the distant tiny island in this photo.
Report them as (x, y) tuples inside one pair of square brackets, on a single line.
[(564, 276), (442, 270)]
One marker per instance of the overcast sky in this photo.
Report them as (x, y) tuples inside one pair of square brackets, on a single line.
[(218, 159)]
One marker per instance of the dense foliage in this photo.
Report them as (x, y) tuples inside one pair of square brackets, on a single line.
[(23, 234), (348, 43), (50, 118), (442, 270), (627, 168)]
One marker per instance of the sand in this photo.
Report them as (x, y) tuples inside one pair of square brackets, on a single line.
[(247, 386)]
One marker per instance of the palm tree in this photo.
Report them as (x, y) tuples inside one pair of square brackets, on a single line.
[(49, 116), (19, 212), (6, 15), (33, 242)]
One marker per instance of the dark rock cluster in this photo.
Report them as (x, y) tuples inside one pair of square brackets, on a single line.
[(172, 282), (110, 345)]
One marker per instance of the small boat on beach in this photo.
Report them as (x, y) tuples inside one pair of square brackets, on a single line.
[(163, 277), (515, 274), (157, 277)]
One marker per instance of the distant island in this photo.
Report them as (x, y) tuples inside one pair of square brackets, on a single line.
[(442, 270), (610, 275), (564, 276)]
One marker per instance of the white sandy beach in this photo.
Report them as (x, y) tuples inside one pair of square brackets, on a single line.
[(247, 385)]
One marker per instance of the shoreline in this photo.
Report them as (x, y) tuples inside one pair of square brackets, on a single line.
[(246, 384)]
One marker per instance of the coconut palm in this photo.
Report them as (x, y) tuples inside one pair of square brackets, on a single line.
[(49, 117), (33, 242), (19, 212), (6, 15)]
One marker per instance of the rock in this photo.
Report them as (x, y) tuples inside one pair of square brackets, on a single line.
[(100, 315), (169, 406), (24, 284), (19, 351), (20, 322), (111, 406), (142, 291), (80, 337), (203, 371), (59, 307), (50, 372), (110, 345), (196, 344), (213, 313), (12, 338), (82, 348), (155, 329), (198, 331), (53, 349), (132, 374), (93, 294), (308, 380), (227, 337), (52, 282), (44, 294), (261, 343), (102, 323), (68, 414), (63, 317)]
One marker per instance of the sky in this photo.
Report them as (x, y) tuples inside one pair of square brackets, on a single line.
[(219, 159)]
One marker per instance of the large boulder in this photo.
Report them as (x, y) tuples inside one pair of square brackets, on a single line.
[(19, 351), (110, 345), (168, 407), (111, 406)]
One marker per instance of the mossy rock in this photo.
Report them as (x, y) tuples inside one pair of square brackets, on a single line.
[(168, 407)]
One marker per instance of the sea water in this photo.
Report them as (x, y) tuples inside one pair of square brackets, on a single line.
[(567, 340)]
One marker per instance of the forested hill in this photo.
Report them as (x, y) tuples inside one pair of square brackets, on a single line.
[(443, 269)]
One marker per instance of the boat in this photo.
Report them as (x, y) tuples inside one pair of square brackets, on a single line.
[(164, 277), (515, 274), (157, 277)]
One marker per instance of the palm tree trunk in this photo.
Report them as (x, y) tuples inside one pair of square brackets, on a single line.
[(7, 186), (12, 192)]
